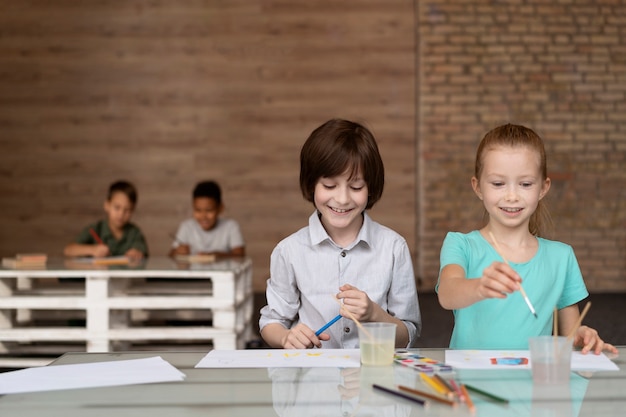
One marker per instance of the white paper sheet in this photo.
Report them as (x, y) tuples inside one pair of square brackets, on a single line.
[(89, 375), (282, 358), (496, 359)]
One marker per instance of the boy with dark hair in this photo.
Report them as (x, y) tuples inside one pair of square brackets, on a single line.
[(115, 235), (208, 233)]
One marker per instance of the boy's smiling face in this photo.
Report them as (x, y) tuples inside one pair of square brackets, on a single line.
[(341, 201), (119, 210), (206, 211)]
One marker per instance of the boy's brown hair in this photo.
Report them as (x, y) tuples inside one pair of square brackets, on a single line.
[(338, 146), (123, 187)]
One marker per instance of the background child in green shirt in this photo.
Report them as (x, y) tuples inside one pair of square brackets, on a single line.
[(115, 235)]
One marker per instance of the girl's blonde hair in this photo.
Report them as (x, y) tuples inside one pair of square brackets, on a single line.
[(518, 136)]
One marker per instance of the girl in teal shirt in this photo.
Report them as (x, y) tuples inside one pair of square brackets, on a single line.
[(483, 291)]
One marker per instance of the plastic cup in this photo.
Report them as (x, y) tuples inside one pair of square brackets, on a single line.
[(377, 343), (550, 359)]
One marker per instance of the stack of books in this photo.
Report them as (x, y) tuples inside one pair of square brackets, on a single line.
[(26, 261), (196, 259)]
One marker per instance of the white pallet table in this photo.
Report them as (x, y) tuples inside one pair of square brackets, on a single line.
[(110, 293)]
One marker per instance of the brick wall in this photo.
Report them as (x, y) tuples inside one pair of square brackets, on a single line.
[(557, 67)]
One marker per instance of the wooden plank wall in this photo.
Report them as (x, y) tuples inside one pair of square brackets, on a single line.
[(166, 93)]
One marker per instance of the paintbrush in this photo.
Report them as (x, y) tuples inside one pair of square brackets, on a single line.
[(521, 289)]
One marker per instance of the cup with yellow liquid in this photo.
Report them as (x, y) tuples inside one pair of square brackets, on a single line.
[(377, 343)]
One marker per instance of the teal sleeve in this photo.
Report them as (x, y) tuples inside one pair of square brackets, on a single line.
[(574, 289)]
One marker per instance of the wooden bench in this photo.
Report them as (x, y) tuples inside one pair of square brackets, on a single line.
[(108, 308)]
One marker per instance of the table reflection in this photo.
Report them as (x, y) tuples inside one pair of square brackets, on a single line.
[(339, 392), (348, 392)]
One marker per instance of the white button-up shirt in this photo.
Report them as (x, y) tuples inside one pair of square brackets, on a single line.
[(307, 269)]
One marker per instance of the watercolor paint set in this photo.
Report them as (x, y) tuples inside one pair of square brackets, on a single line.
[(421, 363)]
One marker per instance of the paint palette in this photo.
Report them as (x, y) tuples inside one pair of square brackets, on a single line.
[(421, 363)]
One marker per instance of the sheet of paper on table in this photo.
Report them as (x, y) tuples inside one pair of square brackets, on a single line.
[(520, 359), (89, 375), (281, 358)]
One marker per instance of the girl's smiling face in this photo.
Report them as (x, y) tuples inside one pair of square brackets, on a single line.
[(511, 184), (341, 201)]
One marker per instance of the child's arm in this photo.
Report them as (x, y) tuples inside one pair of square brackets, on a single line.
[(181, 249), (298, 337), (455, 291), (365, 310), (585, 337), (239, 251), (234, 252), (80, 249)]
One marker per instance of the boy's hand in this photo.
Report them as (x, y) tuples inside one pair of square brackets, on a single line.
[(589, 340), (498, 280), (357, 302), (100, 250), (182, 250), (302, 337)]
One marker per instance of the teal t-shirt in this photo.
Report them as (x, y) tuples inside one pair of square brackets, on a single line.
[(552, 278)]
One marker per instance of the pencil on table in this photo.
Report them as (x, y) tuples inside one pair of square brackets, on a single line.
[(399, 394), (457, 390), (445, 385), (468, 399), (427, 395), (434, 384), (486, 394)]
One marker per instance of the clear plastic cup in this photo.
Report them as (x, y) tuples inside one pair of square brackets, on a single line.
[(550, 359), (377, 343)]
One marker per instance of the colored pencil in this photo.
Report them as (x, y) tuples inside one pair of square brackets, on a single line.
[(521, 289), (399, 394), (95, 236), (468, 399), (486, 394), (327, 325), (427, 395), (445, 384), (434, 384), (579, 321), (457, 390)]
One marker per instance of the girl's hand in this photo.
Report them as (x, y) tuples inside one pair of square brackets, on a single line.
[(356, 302), (498, 280), (589, 340), (302, 337)]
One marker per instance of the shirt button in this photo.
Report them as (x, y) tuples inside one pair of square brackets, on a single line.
[(346, 329), (343, 254)]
